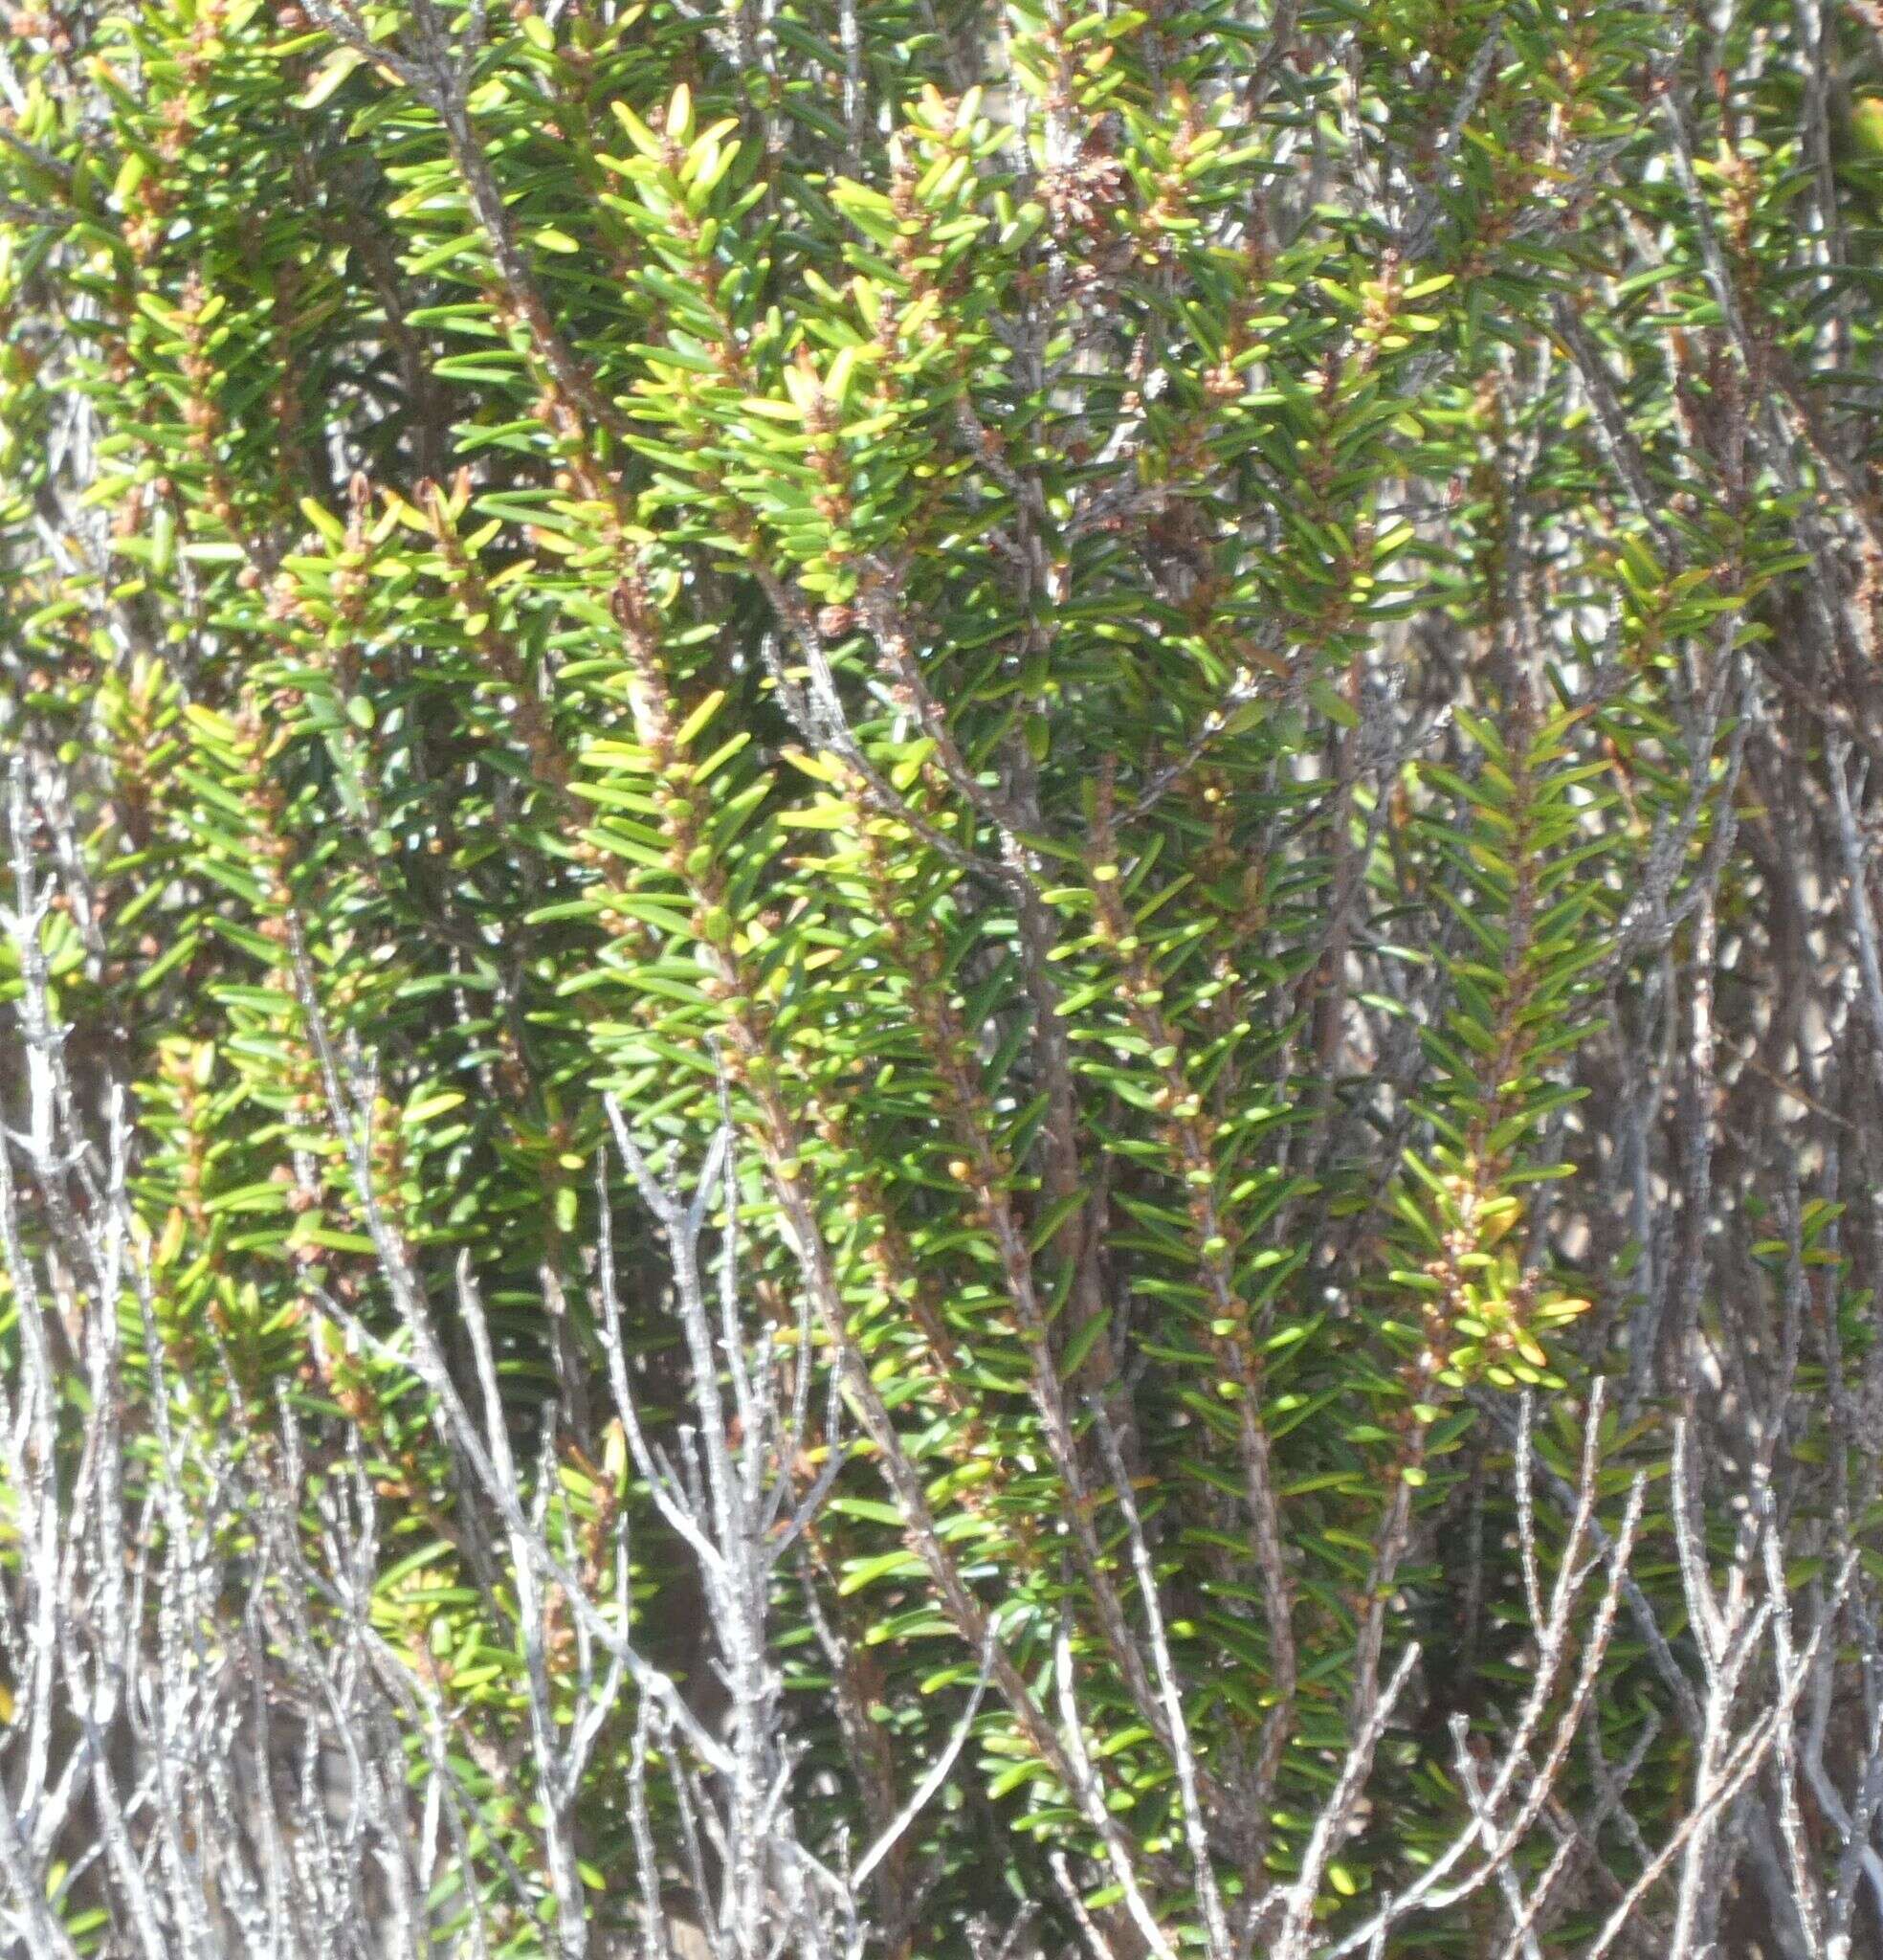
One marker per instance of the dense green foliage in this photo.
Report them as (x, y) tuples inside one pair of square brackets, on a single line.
[(1145, 642)]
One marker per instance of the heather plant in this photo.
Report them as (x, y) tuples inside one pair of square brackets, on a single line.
[(942, 1010)]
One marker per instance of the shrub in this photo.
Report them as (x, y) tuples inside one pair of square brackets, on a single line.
[(944, 979)]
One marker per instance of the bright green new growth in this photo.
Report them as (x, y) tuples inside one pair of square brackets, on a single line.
[(1205, 672)]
